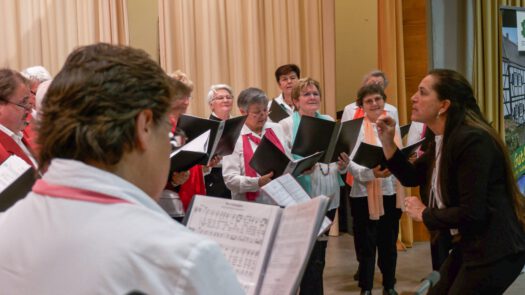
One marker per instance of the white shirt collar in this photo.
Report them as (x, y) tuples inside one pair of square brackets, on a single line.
[(280, 99), (246, 130), (80, 175), (9, 132), (215, 115)]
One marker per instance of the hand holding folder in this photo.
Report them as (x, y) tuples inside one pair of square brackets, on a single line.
[(371, 156), (333, 138), (269, 158)]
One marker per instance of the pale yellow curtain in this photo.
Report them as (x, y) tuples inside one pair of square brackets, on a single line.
[(391, 60), (36, 32), (242, 42), (487, 59)]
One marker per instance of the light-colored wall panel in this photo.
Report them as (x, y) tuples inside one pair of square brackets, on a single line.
[(143, 26), (356, 46)]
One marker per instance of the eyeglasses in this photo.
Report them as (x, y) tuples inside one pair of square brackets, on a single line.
[(222, 97), (313, 94), (371, 101), (24, 105), (258, 113)]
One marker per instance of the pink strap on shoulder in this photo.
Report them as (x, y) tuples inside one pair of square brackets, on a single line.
[(65, 192)]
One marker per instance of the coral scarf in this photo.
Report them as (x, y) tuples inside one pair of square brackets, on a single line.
[(359, 113)]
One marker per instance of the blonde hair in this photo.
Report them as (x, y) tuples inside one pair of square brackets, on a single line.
[(181, 76)]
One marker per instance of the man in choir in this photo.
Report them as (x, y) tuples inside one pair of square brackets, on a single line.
[(220, 99), (36, 76), (239, 176), (15, 107), (286, 77), (92, 225)]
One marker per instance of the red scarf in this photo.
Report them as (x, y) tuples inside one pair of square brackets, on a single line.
[(248, 154), (11, 147)]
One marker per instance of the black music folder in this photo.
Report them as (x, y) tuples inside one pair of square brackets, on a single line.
[(268, 157), (18, 189), (333, 138), (370, 155), (405, 129), (190, 154), (277, 112), (223, 134)]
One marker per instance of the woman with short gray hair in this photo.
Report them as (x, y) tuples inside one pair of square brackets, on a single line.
[(239, 176), (220, 98)]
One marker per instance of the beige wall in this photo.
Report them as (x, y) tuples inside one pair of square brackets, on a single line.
[(355, 39), (142, 25), (355, 46)]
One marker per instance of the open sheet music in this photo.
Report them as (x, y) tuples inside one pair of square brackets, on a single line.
[(268, 246), (286, 191)]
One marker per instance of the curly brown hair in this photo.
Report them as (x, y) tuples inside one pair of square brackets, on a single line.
[(90, 108)]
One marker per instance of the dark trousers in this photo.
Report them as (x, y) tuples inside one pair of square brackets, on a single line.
[(440, 246), (376, 235), (312, 281), (493, 278)]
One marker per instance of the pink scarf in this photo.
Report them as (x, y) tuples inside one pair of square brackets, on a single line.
[(248, 154)]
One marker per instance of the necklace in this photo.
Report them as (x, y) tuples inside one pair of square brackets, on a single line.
[(327, 170)]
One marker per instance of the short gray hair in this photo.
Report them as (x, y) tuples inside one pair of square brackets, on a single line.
[(251, 96), (217, 87), (36, 73), (376, 73)]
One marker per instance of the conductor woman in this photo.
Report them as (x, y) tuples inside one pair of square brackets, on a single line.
[(471, 189)]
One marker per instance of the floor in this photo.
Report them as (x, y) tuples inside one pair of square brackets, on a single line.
[(412, 266)]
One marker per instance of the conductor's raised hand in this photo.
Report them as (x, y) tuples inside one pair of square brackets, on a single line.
[(386, 129)]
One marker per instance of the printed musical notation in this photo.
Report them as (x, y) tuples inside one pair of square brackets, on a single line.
[(242, 229), (232, 226)]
